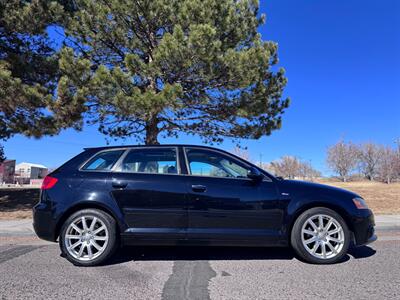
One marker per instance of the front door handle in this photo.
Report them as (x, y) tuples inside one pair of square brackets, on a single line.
[(119, 184), (199, 188)]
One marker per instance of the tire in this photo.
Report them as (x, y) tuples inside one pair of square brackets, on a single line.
[(309, 241), (79, 231)]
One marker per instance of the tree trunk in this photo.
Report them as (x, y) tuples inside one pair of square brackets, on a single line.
[(152, 132)]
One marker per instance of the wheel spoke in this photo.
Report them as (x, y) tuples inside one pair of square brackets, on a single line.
[(311, 222), (320, 222), (89, 249), (313, 233), (72, 237), (334, 231), (81, 250), (93, 223), (97, 246), (99, 229), (323, 250), (73, 246), (76, 228), (334, 240), (314, 249), (313, 239), (330, 222), (84, 225), (331, 247), (100, 238)]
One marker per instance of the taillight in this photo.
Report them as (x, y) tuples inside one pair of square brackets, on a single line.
[(48, 182)]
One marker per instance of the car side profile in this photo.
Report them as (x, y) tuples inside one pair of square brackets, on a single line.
[(191, 195)]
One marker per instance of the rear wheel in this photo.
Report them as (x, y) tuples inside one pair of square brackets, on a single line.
[(88, 237), (321, 236)]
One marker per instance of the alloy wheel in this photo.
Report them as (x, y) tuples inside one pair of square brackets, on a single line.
[(86, 238), (322, 236)]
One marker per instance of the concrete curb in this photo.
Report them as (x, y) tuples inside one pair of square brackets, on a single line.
[(387, 222), (24, 227), (21, 227)]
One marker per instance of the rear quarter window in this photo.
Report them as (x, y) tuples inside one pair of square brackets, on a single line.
[(103, 161)]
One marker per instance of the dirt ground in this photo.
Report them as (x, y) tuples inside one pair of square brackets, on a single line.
[(381, 198), (17, 203)]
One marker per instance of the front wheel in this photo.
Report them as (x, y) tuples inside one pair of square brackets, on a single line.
[(321, 236), (88, 237)]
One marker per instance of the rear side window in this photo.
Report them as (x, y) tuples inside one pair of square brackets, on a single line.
[(104, 161), (156, 161)]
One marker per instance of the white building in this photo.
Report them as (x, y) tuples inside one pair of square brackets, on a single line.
[(30, 171)]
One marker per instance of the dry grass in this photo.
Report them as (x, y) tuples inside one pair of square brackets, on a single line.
[(381, 198)]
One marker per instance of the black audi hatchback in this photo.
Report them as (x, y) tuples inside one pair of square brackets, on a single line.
[(191, 195)]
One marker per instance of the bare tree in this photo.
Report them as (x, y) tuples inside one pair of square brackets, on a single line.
[(398, 157), (286, 167), (342, 159), (242, 153), (308, 172), (267, 167), (388, 165), (369, 155), (291, 167)]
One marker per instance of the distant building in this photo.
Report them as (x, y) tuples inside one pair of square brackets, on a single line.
[(7, 171), (25, 172)]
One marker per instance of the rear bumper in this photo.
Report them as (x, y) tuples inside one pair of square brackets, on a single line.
[(363, 228), (43, 222)]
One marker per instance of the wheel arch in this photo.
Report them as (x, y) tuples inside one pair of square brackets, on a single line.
[(336, 208), (86, 205)]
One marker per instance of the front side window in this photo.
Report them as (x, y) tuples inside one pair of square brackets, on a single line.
[(209, 163), (156, 161), (104, 161)]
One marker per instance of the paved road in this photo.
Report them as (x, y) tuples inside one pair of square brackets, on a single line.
[(30, 268)]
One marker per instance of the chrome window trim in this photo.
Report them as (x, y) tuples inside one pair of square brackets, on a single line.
[(266, 178), (118, 164)]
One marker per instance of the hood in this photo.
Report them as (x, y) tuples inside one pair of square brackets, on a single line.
[(315, 189)]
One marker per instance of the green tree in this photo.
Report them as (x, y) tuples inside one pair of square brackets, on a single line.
[(147, 68), (2, 156), (28, 68)]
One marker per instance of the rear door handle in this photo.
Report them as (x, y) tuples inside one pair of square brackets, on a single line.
[(199, 188), (119, 184)]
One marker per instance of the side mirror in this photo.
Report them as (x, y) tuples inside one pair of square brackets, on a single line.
[(255, 174)]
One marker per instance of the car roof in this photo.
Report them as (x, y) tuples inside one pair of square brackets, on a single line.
[(155, 146)]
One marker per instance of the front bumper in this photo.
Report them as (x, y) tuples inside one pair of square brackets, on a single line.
[(363, 228)]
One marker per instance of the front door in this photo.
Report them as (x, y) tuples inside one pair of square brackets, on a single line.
[(151, 193), (226, 205)]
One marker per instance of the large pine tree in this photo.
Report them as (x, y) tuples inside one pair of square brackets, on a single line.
[(146, 68), (139, 68)]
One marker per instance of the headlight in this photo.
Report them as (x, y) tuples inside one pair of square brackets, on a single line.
[(360, 203)]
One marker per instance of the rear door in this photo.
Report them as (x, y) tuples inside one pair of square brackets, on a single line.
[(151, 193)]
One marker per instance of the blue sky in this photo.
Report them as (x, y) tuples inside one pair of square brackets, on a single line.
[(342, 59)]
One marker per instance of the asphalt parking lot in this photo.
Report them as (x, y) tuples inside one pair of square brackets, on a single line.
[(31, 268)]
